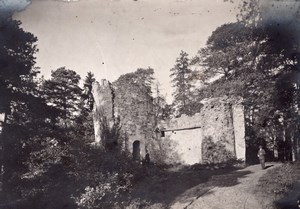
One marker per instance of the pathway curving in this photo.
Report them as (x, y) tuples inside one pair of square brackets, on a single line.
[(222, 196)]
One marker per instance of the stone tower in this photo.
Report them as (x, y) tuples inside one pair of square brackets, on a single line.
[(132, 106), (103, 106)]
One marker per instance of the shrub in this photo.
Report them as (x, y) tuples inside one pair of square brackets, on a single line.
[(277, 182), (215, 152), (111, 134), (107, 193)]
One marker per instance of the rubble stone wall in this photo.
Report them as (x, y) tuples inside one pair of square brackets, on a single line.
[(134, 108), (239, 131), (103, 107), (186, 146), (217, 122), (221, 120)]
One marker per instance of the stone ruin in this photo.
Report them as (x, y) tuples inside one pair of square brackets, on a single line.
[(134, 109), (219, 126), (217, 131)]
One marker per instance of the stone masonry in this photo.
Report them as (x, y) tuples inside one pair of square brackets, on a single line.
[(220, 119), (134, 109), (179, 139)]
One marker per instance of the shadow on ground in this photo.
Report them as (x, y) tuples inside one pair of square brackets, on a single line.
[(269, 166), (290, 200), (184, 184)]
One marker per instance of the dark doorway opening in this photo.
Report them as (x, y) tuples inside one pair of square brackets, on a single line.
[(136, 152)]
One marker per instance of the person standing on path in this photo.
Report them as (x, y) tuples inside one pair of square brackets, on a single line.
[(147, 158), (261, 155)]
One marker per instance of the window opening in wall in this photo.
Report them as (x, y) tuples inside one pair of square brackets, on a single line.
[(162, 133)]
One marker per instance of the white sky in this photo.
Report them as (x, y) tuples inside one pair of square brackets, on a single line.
[(113, 37)]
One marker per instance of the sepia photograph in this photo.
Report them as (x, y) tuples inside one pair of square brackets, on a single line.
[(149, 104)]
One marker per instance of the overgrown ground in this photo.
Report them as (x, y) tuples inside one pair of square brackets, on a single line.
[(280, 187), (229, 187), (185, 187), (161, 188)]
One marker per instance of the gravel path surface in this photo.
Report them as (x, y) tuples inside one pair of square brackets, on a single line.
[(238, 195)]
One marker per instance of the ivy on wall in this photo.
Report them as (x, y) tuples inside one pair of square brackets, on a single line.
[(215, 152)]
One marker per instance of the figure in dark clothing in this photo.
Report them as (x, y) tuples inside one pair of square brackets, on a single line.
[(147, 158), (261, 155)]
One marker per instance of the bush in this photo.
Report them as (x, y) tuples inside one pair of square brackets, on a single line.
[(277, 182), (107, 193), (111, 134), (104, 178), (215, 152)]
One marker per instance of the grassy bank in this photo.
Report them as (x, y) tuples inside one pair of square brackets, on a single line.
[(278, 185)]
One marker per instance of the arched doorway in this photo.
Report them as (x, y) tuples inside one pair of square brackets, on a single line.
[(136, 150)]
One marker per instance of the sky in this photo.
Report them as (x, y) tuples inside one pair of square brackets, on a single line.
[(113, 37)]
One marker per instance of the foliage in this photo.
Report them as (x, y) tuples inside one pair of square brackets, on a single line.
[(229, 48), (84, 126), (76, 174), (111, 136), (87, 94), (163, 110), (26, 114), (105, 178), (276, 183), (215, 152), (141, 78), (134, 103), (163, 151), (181, 74), (16, 59), (106, 193), (258, 63), (62, 92), (44, 153)]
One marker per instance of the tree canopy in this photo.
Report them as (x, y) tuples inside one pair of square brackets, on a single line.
[(62, 91), (181, 75)]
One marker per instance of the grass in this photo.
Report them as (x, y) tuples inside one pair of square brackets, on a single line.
[(162, 185), (277, 183)]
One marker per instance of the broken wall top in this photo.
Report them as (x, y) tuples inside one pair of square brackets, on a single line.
[(211, 107)]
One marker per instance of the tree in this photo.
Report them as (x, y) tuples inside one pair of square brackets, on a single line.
[(143, 78), (62, 92), (88, 85), (282, 45), (180, 75), (16, 60), (268, 46), (17, 50), (163, 111), (228, 49)]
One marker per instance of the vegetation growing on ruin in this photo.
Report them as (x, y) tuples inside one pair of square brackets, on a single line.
[(48, 161), (215, 152)]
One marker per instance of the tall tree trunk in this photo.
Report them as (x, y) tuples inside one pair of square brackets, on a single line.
[(2, 121), (293, 148), (3, 118), (284, 140)]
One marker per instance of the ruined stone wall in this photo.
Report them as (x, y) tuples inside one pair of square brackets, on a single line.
[(220, 124), (134, 107), (103, 106), (217, 122), (184, 134), (136, 112), (216, 133), (239, 131)]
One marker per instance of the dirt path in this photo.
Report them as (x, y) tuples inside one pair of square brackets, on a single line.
[(224, 195)]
